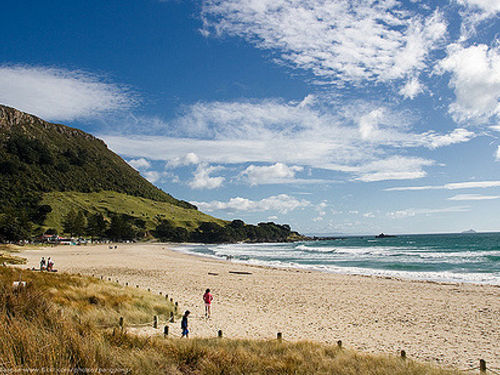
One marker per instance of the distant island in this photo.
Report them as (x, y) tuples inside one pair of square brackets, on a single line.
[(469, 231), (383, 235)]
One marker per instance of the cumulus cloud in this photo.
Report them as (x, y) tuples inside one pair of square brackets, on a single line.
[(337, 41), (321, 210), (412, 88), (475, 78), (292, 134), (472, 197), (272, 174), (188, 159), (450, 186), (139, 164), (58, 94), (410, 212), (282, 203), (203, 180)]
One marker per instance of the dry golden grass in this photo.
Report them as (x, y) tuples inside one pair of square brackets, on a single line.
[(49, 325)]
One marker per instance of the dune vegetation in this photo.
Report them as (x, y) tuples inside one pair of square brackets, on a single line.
[(69, 323)]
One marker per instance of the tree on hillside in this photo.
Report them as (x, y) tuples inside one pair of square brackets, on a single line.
[(166, 231), (69, 222), (80, 223), (121, 228), (96, 226), (74, 223), (14, 226)]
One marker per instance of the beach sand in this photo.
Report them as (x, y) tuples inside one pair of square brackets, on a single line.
[(449, 324)]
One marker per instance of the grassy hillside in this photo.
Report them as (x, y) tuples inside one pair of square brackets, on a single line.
[(107, 202), (55, 323), (38, 157)]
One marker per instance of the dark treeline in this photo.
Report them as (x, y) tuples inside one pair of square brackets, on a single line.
[(235, 231), (119, 227)]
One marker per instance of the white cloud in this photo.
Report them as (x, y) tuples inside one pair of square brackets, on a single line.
[(58, 94), (394, 168), (203, 180), (272, 174), (458, 135), (320, 209), (152, 176), (450, 186), (282, 203), (412, 88), (188, 159), (369, 215), (272, 131), (410, 212), (139, 164), (472, 197), (475, 77), (497, 154), (335, 40), (475, 12)]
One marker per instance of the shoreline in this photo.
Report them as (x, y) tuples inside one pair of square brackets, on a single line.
[(454, 324), (384, 274)]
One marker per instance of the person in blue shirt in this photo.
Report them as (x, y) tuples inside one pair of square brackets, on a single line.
[(184, 324)]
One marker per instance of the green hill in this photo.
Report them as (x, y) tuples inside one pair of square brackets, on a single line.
[(48, 169), (63, 179), (38, 156), (110, 202)]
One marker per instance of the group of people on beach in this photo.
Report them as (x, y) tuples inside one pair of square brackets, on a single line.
[(207, 300), (47, 265)]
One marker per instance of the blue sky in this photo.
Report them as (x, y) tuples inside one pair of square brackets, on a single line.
[(334, 117)]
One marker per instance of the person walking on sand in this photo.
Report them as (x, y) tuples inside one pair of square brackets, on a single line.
[(184, 325), (207, 298), (42, 264)]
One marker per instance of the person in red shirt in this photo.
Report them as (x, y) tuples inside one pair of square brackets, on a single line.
[(207, 298)]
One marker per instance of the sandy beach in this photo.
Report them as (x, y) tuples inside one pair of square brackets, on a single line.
[(449, 324)]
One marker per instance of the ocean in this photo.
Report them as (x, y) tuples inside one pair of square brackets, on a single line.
[(468, 258)]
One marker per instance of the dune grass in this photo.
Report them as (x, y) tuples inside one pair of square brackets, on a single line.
[(49, 324), (6, 256)]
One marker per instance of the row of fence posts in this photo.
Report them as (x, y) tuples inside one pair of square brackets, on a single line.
[(279, 335)]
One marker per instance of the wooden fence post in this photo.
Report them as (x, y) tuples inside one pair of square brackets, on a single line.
[(482, 366), (219, 334), (171, 316), (403, 354), (339, 344), (165, 331), (121, 322), (176, 306), (279, 337), (137, 286), (126, 284), (155, 321)]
